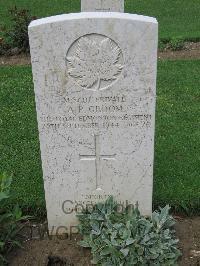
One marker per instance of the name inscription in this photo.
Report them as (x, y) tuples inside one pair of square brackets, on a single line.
[(97, 112)]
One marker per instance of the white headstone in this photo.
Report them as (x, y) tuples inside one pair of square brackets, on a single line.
[(95, 87), (102, 5)]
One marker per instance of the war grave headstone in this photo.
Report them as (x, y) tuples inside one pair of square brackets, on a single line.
[(95, 88), (102, 5)]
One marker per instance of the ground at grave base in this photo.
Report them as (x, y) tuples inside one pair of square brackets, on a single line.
[(191, 51), (59, 252)]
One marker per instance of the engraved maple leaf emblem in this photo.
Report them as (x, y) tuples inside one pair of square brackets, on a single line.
[(94, 62)]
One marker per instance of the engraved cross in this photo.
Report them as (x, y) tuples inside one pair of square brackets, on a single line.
[(97, 157)]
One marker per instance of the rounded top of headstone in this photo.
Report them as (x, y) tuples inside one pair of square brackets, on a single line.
[(91, 15)]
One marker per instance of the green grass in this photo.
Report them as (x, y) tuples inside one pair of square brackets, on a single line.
[(177, 18), (19, 144), (177, 148)]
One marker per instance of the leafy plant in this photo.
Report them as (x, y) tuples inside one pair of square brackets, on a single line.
[(17, 35), (176, 44), (127, 238), (9, 220), (163, 44), (173, 44)]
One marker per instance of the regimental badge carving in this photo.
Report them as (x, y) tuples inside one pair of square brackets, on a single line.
[(94, 61)]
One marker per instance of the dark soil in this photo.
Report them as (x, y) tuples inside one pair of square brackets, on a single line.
[(59, 252), (191, 51), (20, 59), (188, 232), (50, 253)]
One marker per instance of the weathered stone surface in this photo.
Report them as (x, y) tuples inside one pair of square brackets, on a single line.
[(102, 5), (95, 88)]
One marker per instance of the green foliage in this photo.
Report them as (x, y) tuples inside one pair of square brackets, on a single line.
[(127, 238), (17, 35), (176, 44), (21, 18), (5, 183), (162, 45), (9, 220), (4, 46), (173, 44)]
